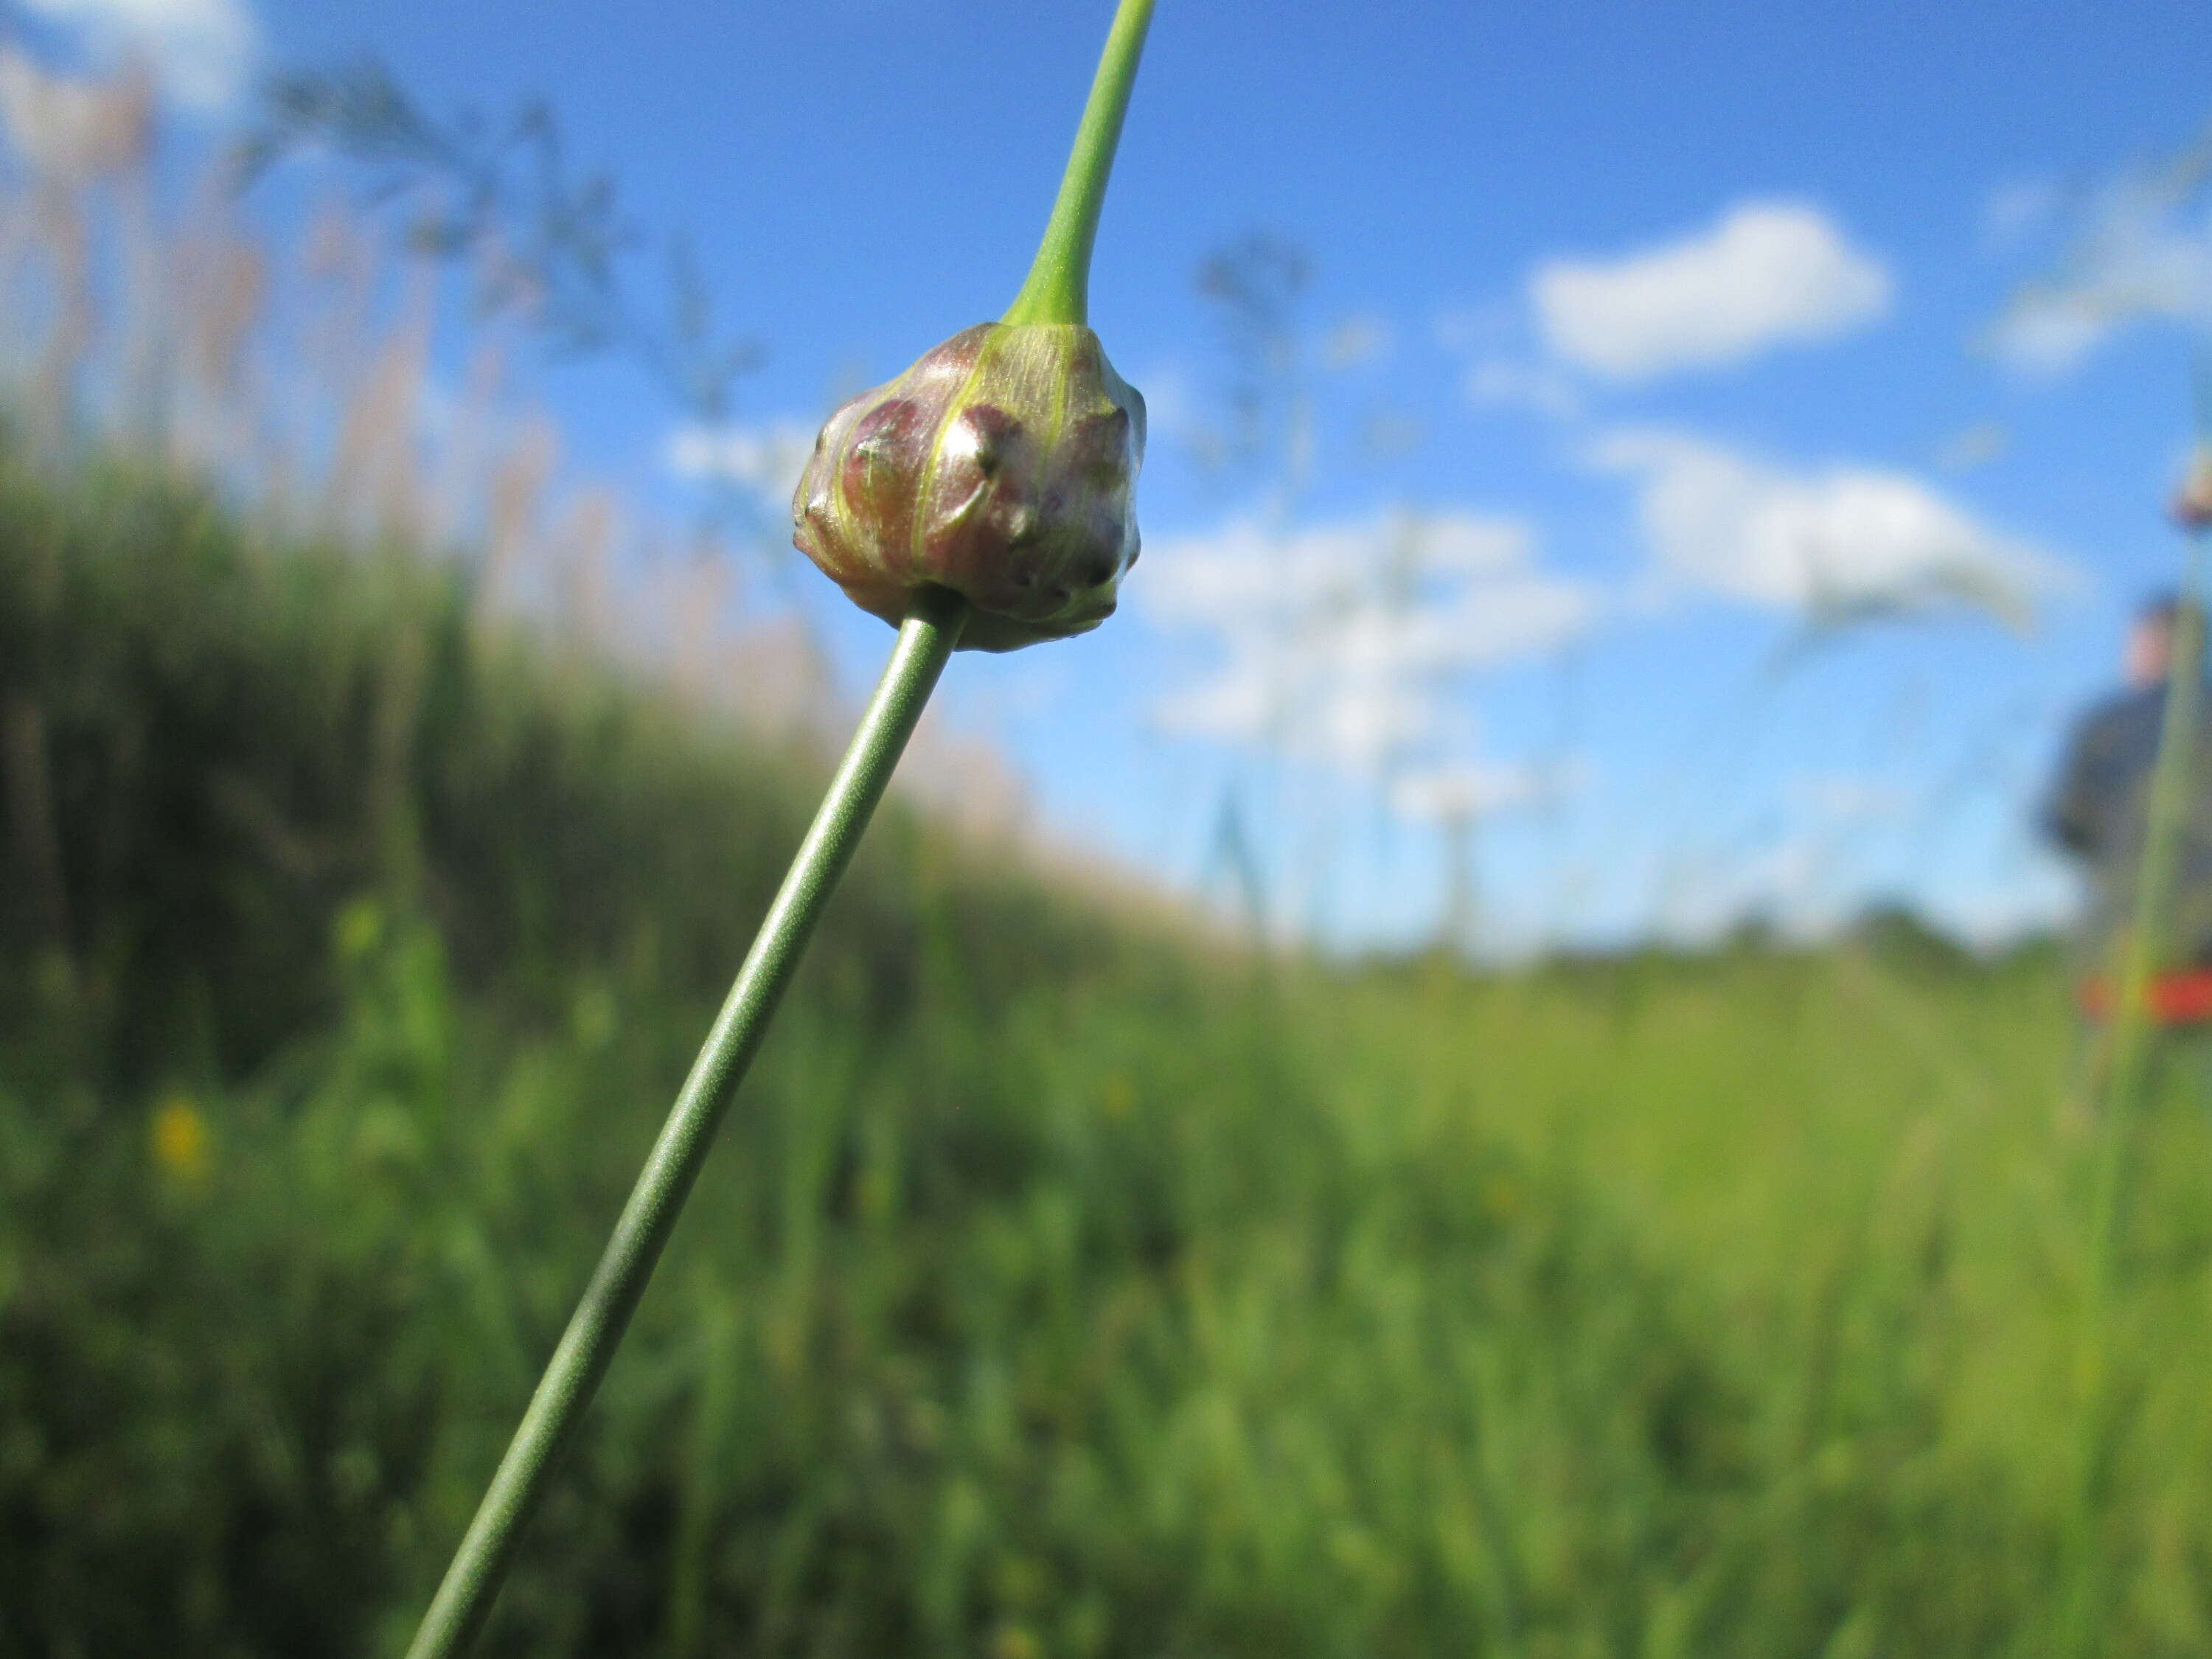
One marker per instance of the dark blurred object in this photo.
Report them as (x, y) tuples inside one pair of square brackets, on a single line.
[(1256, 285), (2098, 809), (2192, 507)]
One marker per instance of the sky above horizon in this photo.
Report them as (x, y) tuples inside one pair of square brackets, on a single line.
[(1698, 459)]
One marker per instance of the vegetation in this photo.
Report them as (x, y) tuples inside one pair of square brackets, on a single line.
[(1068, 1284)]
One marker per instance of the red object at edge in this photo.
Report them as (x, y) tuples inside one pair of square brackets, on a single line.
[(2175, 999)]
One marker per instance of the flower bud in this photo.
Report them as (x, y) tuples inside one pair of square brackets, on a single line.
[(1003, 465)]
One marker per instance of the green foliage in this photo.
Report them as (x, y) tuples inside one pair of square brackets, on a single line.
[(1062, 1287)]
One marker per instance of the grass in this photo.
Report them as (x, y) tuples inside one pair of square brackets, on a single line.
[(1063, 1284)]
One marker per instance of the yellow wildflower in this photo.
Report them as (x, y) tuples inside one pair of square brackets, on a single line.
[(181, 1140)]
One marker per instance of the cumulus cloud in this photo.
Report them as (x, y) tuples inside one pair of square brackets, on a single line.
[(201, 50), (1835, 541), (1767, 274), (2141, 249), (1542, 387), (763, 461), (1478, 789), (1340, 643)]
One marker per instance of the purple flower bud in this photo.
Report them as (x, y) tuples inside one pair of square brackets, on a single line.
[(1002, 465)]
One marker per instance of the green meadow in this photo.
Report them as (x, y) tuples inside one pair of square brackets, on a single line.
[(1070, 1279)]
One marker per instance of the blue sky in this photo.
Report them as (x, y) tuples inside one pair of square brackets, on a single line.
[(1644, 339)]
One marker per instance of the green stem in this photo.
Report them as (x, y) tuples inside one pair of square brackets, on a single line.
[(1058, 289), (2165, 814), (2128, 1076), (573, 1375)]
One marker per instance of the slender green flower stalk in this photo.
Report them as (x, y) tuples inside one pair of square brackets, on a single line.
[(1059, 286), (984, 499), (2165, 814), (2148, 941), (596, 1328), (2143, 953)]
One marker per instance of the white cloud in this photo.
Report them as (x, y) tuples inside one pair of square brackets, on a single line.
[(764, 461), (1844, 539), (1547, 390), (1341, 641), (1767, 274), (2049, 331), (1478, 789), (2142, 251), (201, 50)]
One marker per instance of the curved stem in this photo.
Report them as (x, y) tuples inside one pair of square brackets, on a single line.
[(2164, 816), (573, 1375), (1058, 289), (2144, 952)]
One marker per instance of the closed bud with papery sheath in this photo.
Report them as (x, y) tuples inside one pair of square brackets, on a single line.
[(1003, 465)]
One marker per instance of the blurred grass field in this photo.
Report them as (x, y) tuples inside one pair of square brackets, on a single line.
[(1065, 1283)]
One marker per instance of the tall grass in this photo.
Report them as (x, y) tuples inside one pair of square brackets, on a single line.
[(1116, 1296)]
